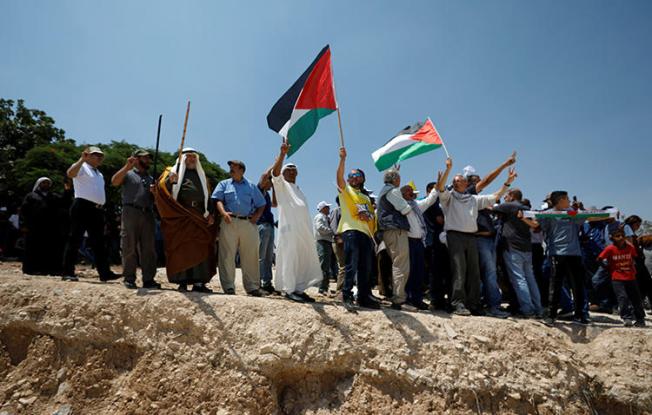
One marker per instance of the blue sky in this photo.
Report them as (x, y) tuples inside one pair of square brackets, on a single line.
[(567, 84)]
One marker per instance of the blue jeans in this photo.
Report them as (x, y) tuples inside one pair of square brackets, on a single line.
[(266, 252), (521, 275), (601, 281), (358, 260), (487, 254)]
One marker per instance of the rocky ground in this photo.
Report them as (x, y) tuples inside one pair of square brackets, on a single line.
[(98, 348)]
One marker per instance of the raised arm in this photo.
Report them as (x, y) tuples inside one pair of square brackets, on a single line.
[(276, 168), (486, 181), (73, 170), (341, 183), (119, 176), (442, 178), (510, 179)]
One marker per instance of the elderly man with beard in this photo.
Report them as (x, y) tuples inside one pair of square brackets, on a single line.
[(460, 216), (187, 224), (137, 228), (297, 265)]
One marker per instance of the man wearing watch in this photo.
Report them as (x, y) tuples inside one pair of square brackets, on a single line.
[(240, 204)]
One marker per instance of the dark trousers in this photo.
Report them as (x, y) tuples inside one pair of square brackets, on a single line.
[(85, 216), (358, 258), (440, 274), (570, 267), (628, 294), (137, 244), (465, 267), (325, 254), (414, 286), (643, 277), (537, 268)]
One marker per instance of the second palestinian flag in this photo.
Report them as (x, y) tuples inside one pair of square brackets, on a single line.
[(411, 141), (312, 97)]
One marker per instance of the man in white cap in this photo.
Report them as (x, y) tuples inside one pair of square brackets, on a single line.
[(188, 227), (324, 235), (87, 214), (41, 224), (297, 265)]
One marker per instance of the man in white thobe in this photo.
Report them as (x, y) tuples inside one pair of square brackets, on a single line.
[(297, 264)]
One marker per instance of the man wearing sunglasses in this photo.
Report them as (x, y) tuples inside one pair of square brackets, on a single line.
[(357, 226), (87, 214)]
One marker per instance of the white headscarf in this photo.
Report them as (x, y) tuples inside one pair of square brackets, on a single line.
[(181, 173), (468, 171), (39, 181)]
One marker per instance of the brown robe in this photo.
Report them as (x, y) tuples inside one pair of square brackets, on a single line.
[(189, 239)]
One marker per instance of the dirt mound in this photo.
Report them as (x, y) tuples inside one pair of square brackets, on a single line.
[(73, 348)]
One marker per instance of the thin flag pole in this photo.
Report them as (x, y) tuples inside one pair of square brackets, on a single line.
[(440, 137), (158, 138), (183, 136), (339, 115)]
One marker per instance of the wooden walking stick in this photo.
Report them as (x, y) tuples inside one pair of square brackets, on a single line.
[(183, 136)]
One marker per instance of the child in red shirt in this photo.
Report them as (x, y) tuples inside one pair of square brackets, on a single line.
[(619, 259)]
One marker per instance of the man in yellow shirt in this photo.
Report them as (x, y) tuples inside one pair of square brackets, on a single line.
[(357, 227)]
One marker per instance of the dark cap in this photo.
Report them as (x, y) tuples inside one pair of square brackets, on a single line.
[(237, 163), (140, 153)]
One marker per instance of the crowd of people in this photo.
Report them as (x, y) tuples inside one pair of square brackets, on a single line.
[(457, 249)]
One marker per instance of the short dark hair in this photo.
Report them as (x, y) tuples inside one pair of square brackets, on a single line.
[(617, 230), (526, 202), (557, 195), (632, 219), (430, 185), (516, 194)]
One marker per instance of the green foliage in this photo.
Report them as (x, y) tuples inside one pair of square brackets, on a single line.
[(31, 147)]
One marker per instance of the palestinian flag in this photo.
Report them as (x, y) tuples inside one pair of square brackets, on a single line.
[(579, 214), (312, 97), (410, 142)]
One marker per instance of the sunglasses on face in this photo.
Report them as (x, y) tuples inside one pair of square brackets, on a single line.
[(352, 175)]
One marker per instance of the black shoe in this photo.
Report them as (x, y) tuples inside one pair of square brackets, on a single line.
[(348, 305), (110, 277), (639, 323), (420, 305), (581, 320), (549, 321), (182, 288), (229, 291), (322, 291), (369, 303), (306, 297), (202, 288), (268, 288), (152, 285), (460, 310), (69, 278), (255, 293), (396, 306), (131, 285), (478, 312), (294, 297)]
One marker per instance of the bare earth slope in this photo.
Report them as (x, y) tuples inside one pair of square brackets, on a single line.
[(98, 348)]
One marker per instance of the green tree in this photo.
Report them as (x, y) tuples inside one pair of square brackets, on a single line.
[(21, 129)]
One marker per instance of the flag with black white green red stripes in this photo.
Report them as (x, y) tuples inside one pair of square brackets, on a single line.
[(296, 114)]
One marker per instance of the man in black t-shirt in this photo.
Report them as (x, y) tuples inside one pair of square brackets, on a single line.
[(518, 252)]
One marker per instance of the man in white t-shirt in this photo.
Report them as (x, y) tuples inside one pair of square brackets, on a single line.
[(87, 214)]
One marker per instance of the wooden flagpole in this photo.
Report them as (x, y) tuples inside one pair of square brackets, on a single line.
[(183, 136), (339, 115)]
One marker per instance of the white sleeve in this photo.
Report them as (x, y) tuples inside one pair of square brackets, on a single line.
[(485, 201), (429, 200), (445, 197), (395, 197)]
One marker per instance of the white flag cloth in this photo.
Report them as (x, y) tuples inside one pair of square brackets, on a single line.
[(297, 264)]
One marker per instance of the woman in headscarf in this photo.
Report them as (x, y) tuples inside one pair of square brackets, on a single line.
[(40, 222)]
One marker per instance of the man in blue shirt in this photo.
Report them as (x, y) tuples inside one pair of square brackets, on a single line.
[(240, 204)]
